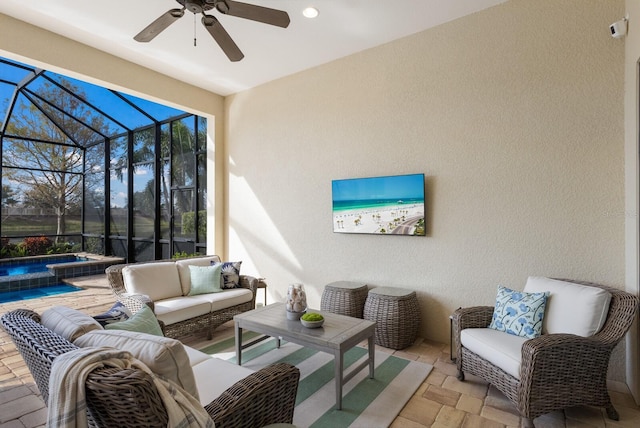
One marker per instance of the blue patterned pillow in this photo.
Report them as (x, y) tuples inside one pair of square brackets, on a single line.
[(519, 313), (230, 274), (118, 312)]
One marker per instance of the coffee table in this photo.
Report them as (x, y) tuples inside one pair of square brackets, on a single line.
[(338, 334)]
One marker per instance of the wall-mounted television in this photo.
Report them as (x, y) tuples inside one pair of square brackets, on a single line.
[(391, 205)]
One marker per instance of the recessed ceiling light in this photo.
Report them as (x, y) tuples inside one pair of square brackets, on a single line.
[(310, 12)]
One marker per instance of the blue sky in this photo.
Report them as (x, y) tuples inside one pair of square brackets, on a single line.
[(390, 187)]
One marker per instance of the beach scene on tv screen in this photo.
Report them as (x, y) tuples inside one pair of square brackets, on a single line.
[(392, 205)]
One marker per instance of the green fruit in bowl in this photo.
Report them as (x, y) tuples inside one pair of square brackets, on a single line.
[(312, 317)]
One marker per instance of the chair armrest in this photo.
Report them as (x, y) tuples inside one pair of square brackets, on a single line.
[(562, 364), (564, 350), (472, 317), (265, 397)]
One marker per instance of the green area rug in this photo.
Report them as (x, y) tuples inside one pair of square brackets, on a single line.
[(366, 403)]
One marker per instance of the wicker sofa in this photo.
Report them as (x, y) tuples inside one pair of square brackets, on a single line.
[(561, 368), (233, 396), (164, 285)]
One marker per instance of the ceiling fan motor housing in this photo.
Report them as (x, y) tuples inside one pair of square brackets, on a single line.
[(197, 6)]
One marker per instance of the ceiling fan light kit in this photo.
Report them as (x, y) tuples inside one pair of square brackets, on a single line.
[(252, 12)]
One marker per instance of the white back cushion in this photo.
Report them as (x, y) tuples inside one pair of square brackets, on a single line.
[(156, 280), (185, 274), (164, 356), (571, 308), (68, 323)]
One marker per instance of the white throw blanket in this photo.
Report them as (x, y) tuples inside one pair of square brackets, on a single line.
[(69, 371)]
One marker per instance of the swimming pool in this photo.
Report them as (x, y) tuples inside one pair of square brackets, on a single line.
[(36, 265), (36, 293), (24, 273)]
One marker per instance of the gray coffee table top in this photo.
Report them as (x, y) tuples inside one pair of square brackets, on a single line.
[(336, 332)]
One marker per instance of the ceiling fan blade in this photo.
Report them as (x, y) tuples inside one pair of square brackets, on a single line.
[(159, 25), (223, 38), (253, 12)]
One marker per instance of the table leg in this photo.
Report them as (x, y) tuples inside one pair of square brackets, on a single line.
[(372, 355), (238, 344), (339, 371)]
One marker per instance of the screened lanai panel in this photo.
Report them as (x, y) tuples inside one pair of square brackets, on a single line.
[(34, 214), (202, 197), (6, 92), (13, 71), (183, 214), (143, 201), (144, 145), (182, 151), (64, 101), (165, 200), (125, 116), (118, 183), (94, 193), (158, 111), (94, 203), (29, 122), (202, 134), (25, 154)]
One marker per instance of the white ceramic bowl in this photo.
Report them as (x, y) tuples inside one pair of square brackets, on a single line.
[(312, 324)]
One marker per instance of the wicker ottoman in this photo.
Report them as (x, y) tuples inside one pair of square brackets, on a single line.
[(344, 298), (396, 314)]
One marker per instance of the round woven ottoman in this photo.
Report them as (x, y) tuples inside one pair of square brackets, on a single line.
[(344, 298), (396, 314)]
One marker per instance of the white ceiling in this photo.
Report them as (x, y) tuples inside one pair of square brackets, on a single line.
[(343, 27)]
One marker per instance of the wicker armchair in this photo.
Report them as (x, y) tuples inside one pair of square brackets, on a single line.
[(128, 398), (557, 370)]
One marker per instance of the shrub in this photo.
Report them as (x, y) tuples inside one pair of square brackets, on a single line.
[(183, 255), (36, 246), (60, 248)]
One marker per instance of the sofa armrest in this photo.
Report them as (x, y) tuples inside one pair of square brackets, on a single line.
[(135, 302), (250, 282), (265, 397)]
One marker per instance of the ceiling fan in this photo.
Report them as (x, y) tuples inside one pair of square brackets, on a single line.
[(262, 14)]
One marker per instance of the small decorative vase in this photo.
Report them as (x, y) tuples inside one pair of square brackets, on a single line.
[(296, 303)]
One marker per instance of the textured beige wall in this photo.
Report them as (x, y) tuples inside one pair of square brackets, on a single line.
[(515, 115), (632, 172), (24, 42)]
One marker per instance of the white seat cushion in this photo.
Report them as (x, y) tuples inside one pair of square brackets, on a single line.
[(571, 308), (164, 356), (227, 298), (499, 348), (157, 280), (213, 376), (195, 356), (171, 311), (185, 274)]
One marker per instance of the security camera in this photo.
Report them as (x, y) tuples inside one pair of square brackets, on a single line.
[(618, 29)]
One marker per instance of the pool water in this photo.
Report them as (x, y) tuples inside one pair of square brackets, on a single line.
[(35, 293), (34, 267)]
